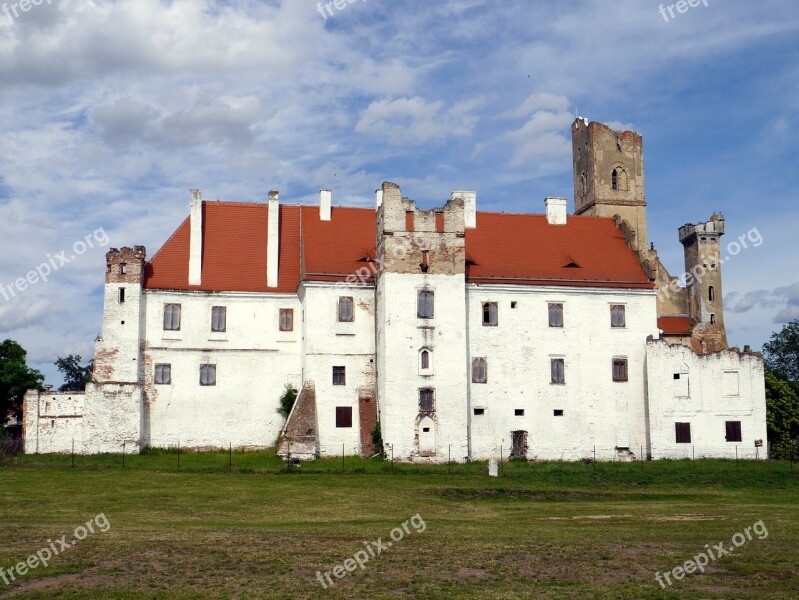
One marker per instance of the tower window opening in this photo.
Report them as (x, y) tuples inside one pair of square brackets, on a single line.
[(711, 294)]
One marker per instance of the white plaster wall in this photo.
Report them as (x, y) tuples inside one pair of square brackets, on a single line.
[(52, 421), (254, 362), (709, 403), (122, 332), (597, 411), (112, 417), (401, 334), (329, 343)]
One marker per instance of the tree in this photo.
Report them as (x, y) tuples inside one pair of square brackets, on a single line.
[(781, 353), (782, 407), (287, 400), (16, 377), (75, 376)]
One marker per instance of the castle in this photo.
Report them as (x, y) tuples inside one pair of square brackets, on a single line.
[(463, 334)]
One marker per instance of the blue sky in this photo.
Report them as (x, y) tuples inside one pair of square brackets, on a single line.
[(110, 111)]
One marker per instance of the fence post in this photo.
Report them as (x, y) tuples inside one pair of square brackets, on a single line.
[(392, 458), (123, 454), (642, 458), (449, 460), (500, 459), (343, 468), (73, 453), (693, 457), (736, 457), (230, 456), (594, 459), (178, 456)]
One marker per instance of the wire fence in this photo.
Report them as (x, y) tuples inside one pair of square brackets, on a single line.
[(347, 459)]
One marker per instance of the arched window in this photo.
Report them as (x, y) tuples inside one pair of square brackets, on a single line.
[(618, 179), (614, 179), (711, 294), (425, 359)]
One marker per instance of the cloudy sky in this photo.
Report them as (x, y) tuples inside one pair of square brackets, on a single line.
[(110, 111)]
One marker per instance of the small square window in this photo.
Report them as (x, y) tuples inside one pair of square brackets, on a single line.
[(286, 319), (490, 314), (163, 374), (519, 412), (513, 304), (123, 268), (207, 375), (343, 416), (339, 376), (479, 411), (558, 412), (618, 317)]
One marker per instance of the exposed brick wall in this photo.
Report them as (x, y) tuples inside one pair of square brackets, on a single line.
[(368, 414), (300, 437)]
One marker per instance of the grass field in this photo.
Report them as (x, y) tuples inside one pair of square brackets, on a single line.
[(543, 530)]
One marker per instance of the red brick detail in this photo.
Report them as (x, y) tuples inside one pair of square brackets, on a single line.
[(368, 413)]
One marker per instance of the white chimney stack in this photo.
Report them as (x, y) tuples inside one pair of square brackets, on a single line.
[(469, 207), (378, 199), (556, 210), (196, 240), (273, 239), (325, 204)]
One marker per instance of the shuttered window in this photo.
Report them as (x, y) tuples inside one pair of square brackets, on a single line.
[(343, 416), (286, 319), (427, 401), (207, 375), (618, 317), (163, 374), (425, 309), (556, 315), (218, 318), (479, 370), (619, 369), (733, 431), (172, 317), (345, 309), (558, 368), (490, 314)]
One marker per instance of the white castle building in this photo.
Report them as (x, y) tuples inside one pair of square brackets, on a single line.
[(462, 333)]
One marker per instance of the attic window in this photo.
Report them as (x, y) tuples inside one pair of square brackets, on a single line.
[(572, 265)]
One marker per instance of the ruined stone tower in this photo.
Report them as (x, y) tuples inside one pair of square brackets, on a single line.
[(703, 259), (609, 177)]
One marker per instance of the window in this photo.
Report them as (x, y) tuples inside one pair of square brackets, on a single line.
[(617, 316), (683, 433), (711, 294), (712, 319), (556, 315), (286, 319), (339, 376), (219, 318), (345, 309), (172, 317), (558, 370), (479, 370), (425, 305), (123, 268), (733, 431), (207, 374), (513, 304), (682, 385), (424, 360), (619, 369), (490, 317), (558, 412), (343, 416), (121, 294), (427, 402), (618, 179), (519, 412), (614, 179), (479, 411), (163, 374)]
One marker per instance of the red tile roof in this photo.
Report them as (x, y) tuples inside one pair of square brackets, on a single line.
[(504, 248), (675, 325)]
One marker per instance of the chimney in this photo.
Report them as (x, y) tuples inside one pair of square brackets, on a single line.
[(273, 240), (469, 207), (556, 211), (378, 199), (196, 242), (325, 201)]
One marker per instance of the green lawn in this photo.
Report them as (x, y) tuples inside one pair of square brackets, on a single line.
[(543, 530)]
